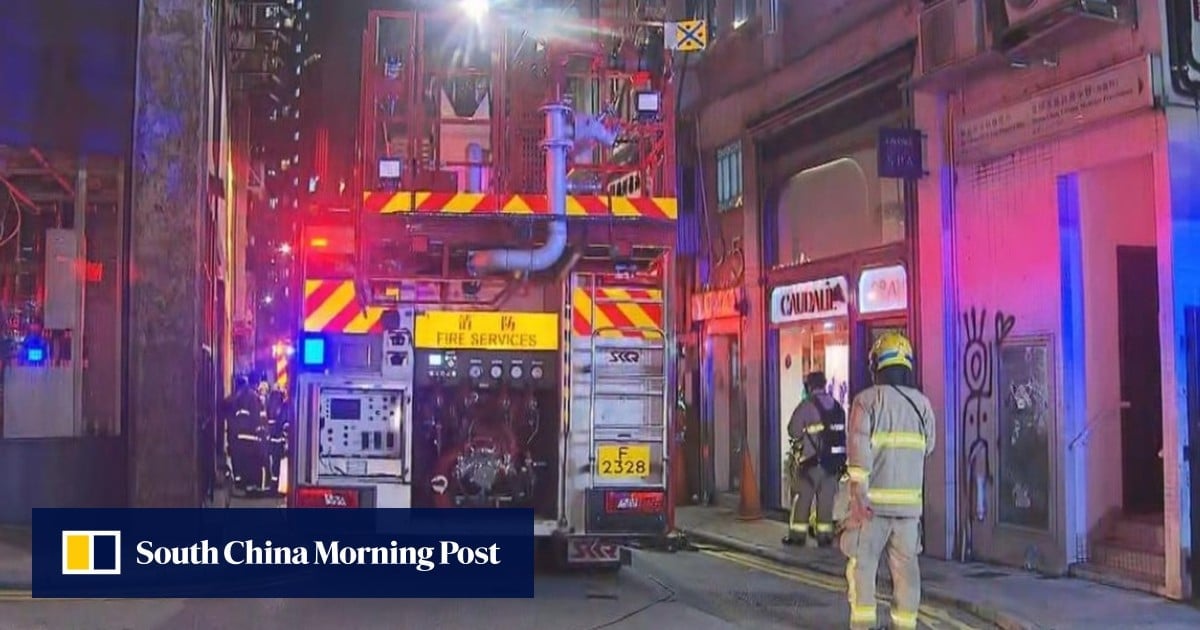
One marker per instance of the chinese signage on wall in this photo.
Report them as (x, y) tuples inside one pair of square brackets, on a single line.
[(717, 304), (809, 300), (1117, 90), (883, 289)]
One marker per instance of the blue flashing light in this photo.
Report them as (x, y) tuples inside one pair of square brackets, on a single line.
[(313, 351), (33, 350)]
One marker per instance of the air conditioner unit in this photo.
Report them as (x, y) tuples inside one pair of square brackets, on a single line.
[(951, 32), (1028, 13)]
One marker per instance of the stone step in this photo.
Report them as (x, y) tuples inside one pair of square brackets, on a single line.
[(1149, 565), (1140, 532), (1108, 576)]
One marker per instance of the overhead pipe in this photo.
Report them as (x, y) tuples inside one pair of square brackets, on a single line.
[(558, 143)]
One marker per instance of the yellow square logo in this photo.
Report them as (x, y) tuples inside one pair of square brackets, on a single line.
[(91, 553)]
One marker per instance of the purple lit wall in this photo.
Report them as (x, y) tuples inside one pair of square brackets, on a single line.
[(67, 68)]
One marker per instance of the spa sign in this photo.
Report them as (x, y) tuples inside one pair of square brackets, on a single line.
[(809, 300)]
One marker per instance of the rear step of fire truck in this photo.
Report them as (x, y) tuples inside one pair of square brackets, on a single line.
[(627, 430)]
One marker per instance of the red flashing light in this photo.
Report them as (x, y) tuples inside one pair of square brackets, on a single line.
[(319, 243), (645, 502), (312, 497)]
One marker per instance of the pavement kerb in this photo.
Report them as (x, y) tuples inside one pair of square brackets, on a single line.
[(1002, 619)]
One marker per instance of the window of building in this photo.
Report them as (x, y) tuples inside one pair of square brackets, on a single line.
[(743, 11), (729, 176), (838, 207), (771, 15)]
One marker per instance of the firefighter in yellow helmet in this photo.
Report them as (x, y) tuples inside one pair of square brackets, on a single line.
[(890, 434)]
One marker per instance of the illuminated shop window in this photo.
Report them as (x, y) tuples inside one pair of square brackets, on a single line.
[(838, 207)]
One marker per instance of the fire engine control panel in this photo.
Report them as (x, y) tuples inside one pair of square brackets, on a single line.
[(487, 369), (358, 423)]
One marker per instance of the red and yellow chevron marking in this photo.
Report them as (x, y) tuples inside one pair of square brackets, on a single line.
[(616, 309), (658, 208), (331, 306), (281, 372)]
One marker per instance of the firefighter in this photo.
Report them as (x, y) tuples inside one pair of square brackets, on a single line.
[(276, 419), (246, 432), (891, 433), (818, 432)]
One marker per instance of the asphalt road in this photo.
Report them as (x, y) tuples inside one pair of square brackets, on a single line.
[(699, 590)]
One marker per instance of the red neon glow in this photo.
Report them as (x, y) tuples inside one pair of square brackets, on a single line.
[(645, 502), (310, 497)]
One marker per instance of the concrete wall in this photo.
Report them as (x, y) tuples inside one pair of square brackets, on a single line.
[(934, 320), (847, 44), (71, 472), (838, 38), (1008, 265), (989, 239), (1006, 260), (1178, 227)]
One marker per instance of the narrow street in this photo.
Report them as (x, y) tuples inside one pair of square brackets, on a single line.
[(702, 589)]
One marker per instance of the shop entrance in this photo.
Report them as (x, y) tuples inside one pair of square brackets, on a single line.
[(724, 416), (810, 346), (1117, 285), (1141, 380)]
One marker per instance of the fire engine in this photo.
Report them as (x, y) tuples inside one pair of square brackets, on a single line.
[(491, 324)]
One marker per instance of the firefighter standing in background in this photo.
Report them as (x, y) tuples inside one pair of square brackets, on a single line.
[(891, 433), (277, 420), (818, 432), (246, 434)]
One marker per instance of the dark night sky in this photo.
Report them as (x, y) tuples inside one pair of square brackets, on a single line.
[(336, 34)]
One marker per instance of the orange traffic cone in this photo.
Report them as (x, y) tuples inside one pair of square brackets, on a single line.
[(750, 505)]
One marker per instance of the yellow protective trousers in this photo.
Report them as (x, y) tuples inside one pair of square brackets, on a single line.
[(813, 482), (863, 546)]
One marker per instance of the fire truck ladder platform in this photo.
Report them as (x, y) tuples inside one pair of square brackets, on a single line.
[(626, 384)]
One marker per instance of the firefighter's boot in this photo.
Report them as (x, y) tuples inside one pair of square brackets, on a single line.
[(797, 539), (824, 534)]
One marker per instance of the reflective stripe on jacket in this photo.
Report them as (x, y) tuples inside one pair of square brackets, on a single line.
[(887, 444)]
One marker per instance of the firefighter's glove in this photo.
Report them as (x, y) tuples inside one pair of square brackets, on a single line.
[(860, 507)]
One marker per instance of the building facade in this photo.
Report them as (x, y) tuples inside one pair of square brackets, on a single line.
[(1036, 261)]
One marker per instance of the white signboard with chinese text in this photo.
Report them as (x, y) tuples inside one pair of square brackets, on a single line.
[(809, 300), (883, 289), (1111, 92)]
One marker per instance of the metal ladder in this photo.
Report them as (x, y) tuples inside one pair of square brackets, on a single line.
[(657, 382)]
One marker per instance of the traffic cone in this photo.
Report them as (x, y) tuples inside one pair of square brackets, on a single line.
[(750, 505)]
